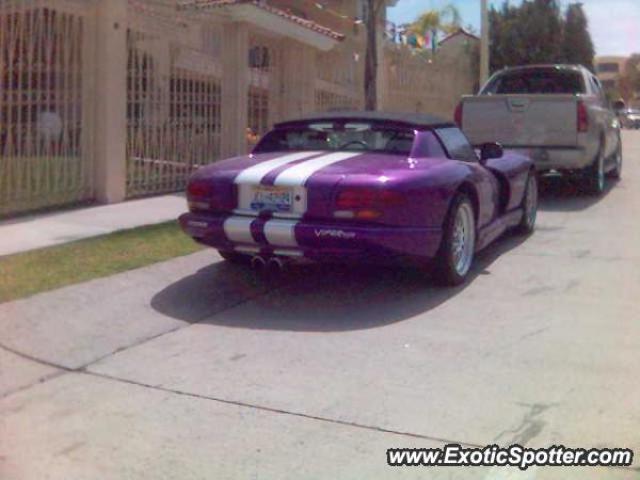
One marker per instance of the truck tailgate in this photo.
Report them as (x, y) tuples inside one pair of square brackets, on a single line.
[(521, 120)]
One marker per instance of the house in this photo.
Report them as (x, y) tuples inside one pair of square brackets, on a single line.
[(113, 99)]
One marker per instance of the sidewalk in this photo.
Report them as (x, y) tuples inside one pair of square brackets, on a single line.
[(53, 228)]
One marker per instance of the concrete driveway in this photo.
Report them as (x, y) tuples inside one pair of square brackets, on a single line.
[(189, 369)]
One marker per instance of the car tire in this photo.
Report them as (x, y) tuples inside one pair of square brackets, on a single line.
[(529, 207), (235, 257), (455, 256), (594, 176), (616, 173)]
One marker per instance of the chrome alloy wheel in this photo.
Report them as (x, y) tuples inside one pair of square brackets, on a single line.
[(464, 239)]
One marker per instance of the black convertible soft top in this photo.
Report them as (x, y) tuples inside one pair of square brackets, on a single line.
[(413, 120)]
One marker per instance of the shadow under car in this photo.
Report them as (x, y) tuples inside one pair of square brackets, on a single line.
[(316, 297)]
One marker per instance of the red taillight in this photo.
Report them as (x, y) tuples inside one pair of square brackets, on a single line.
[(199, 188), (457, 116), (583, 117), (368, 198)]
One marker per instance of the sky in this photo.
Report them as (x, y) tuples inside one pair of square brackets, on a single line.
[(614, 24)]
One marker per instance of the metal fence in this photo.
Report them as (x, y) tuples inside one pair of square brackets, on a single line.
[(43, 161), (174, 103), (340, 77)]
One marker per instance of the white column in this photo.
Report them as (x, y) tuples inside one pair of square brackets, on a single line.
[(110, 101), (235, 88)]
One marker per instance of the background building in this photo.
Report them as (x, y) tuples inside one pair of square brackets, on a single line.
[(103, 100), (609, 71)]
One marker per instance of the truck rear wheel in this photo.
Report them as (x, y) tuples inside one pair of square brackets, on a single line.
[(529, 207), (594, 176), (616, 173)]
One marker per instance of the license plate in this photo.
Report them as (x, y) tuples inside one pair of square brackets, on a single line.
[(275, 199)]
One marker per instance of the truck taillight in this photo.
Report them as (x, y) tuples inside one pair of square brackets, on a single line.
[(583, 117), (457, 116)]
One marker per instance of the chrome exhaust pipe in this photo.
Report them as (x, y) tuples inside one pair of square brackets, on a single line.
[(258, 264), (275, 266)]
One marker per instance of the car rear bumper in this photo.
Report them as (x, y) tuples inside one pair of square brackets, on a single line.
[(310, 239), (558, 158)]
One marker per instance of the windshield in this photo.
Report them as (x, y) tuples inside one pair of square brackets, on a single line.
[(536, 81), (360, 136)]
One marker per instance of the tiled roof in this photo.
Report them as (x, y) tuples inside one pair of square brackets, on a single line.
[(203, 4), (461, 31)]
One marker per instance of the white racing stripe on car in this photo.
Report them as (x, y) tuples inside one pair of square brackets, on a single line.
[(238, 229), (255, 173), (281, 233), (297, 175)]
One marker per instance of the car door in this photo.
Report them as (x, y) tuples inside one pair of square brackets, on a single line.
[(459, 148)]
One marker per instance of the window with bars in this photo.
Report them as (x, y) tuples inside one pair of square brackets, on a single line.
[(327, 101), (258, 115)]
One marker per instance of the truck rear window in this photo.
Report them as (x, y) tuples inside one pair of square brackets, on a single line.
[(536, 81)]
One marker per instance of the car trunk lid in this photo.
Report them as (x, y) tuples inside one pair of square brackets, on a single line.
[(308, 186)]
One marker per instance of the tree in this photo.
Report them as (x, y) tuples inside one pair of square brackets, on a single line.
[(630, 80), (446, 20), (503, 36), (541, 39), (536, 31), (578, 47), (372, 14)]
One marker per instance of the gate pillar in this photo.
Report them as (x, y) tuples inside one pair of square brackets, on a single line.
[(110, 103)]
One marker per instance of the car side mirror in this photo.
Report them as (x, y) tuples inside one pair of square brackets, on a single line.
[(489, 151)]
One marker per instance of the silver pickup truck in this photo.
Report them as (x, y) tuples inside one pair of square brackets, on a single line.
[(557, 114)]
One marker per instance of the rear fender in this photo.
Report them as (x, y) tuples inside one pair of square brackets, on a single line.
[(470, 191), (511, 171)]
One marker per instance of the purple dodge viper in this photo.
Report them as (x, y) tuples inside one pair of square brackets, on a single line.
[(364, 186)]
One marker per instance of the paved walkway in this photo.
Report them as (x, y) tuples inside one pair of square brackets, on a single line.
[(44, 230), (192, 369)]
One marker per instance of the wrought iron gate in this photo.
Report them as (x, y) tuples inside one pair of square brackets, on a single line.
[(43, 162)]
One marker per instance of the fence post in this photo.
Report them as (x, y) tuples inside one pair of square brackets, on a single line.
[(234, 89), (88, 117), (110, 100)]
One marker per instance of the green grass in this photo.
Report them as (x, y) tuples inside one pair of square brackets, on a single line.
[(27, 273)]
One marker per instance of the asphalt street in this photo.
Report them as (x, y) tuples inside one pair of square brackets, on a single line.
[(192, 369)]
